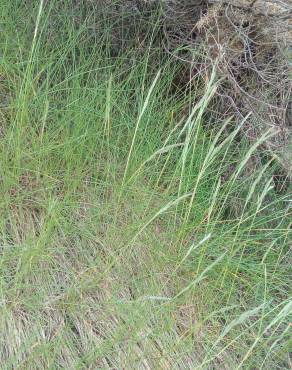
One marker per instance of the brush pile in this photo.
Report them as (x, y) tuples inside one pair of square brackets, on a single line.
[(250, 43)]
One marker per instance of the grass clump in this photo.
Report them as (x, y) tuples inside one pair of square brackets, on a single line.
[(131, 235)]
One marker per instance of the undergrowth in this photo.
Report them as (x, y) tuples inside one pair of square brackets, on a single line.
[(132, 234)]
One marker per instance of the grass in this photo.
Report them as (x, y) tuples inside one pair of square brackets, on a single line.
[(124, 244)]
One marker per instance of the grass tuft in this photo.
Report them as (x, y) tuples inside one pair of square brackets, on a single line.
[(131, 233)]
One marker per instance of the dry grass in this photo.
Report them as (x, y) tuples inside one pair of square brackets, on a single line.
[(133, 233), (251, 52)]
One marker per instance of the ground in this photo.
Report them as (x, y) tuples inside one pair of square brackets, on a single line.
[(132, 233)]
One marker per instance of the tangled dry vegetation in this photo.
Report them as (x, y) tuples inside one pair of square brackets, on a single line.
[(250, 44)]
